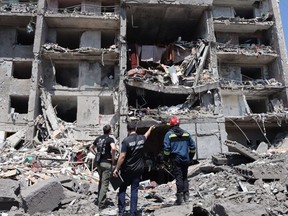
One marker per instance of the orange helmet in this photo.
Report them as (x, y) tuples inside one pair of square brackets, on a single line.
[(174, 121)]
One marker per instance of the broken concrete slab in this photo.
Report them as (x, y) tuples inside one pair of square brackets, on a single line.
[(9, 191), (44, 196), (235, 146)]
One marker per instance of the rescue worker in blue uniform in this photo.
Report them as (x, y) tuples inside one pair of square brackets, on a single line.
[(180, 148)]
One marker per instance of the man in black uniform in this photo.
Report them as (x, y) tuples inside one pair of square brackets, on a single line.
[(132, 166), (106, 145)]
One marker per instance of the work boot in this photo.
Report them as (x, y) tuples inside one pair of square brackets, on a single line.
[(179, 199), (186, 197)]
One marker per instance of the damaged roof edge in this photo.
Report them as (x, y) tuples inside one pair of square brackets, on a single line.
[(175, 2)]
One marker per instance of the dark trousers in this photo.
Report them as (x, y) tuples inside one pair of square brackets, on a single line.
[(105, 172), (180, 172), (134, 180)]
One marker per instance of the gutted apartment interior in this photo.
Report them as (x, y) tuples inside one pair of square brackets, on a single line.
[(218, 65)]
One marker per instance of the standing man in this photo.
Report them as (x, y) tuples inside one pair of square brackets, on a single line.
[(179, 147), (106, 145), (131, 164)]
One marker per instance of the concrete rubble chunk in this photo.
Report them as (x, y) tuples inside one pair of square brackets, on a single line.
[(235, 146), (44, 196), (9, 191)]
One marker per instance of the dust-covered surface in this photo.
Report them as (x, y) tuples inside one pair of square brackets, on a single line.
[(248, 188)]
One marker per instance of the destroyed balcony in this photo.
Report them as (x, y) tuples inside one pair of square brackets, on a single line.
[(83, 15), (236, 2), (53, 51), (245, 53), (176, 2), (178, 68), (258, 87), (241, 25)]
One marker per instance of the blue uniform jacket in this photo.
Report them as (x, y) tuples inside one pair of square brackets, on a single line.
[(178, 143)]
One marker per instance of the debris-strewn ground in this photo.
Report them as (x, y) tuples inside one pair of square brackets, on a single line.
[(58, 178)]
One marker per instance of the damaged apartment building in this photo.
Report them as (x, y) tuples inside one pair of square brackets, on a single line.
[(219, 65)]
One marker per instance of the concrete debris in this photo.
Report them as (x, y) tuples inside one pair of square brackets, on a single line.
[(111, 12), (182, 63), (22, 7), (216, 186), (51, 47), (265, 19), (44, 196)]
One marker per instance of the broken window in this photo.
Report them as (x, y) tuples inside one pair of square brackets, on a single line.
[(19, 104), (257, 105), (66, 107), (108, 7), (248, 40), (24, 37), (22, 70), (106, 105), (67, 74), (69, 39), (251, 73), (246, 13)]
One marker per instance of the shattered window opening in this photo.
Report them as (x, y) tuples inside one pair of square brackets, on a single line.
[(67, 74), (246, 13), (24, 38), (257, 105), (69, 39), (248, 40), (249, 74), (19, 104), (22, 70), (66, 107)]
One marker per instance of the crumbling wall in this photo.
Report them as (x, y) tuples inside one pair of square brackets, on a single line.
[(88, 110), (262, 9), (89, 74), (233, 105), (9, 46), (230, 72)]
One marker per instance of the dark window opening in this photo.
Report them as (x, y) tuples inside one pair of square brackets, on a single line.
[(68, 7), (66, 108), (108, 8), (19, 104), (67, 75), (69, 39), (246, 13), (248, 40), (257, 105), (140, 98), (107, 39), (27, 1), (24, 38), (8, 134), (22, 70), (106, 105), (249, 74)]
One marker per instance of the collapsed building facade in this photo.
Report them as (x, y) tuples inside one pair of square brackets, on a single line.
[(220, 66)]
